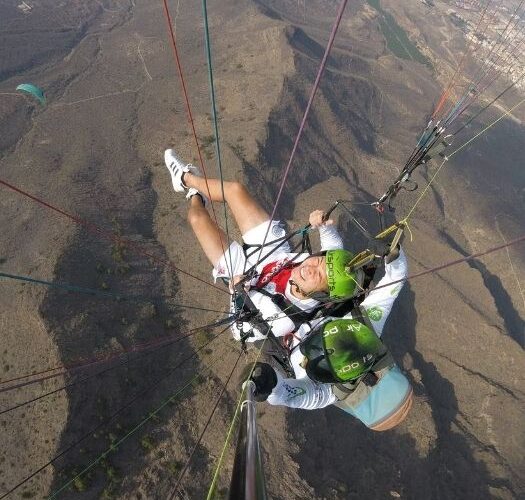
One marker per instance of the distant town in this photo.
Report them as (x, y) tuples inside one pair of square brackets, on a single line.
[(496, 37)]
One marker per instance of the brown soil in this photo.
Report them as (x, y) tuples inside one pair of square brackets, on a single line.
[(95, 150)]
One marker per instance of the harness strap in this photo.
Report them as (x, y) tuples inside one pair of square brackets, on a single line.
[(294, 313), (382, 365)]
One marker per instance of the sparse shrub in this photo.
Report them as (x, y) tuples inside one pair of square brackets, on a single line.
[(117, 251), (202, 336), (28, 494), (147, 443), (80, 484), (174, 466), (149, 310), (342, 488), (112, 473), (208, 140), (123, 269), (239, 150), (104, 285), (116, 225), (198, 380), (108, 494), (154, 417)]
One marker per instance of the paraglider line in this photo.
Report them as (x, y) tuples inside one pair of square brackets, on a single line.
[(464, 145), (76, 382), (93, 291), (510, 243), (189, 112), (141, 424), (450, 85), (104, 423), (307, 110), (512, 268), (159, 342), (216, 130), (501, 94), (186, 465), (93, 228), (455, 262)]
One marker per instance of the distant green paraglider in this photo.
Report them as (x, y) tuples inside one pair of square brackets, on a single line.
[(35, 91)]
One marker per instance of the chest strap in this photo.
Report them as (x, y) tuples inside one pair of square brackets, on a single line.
[(296, 315)]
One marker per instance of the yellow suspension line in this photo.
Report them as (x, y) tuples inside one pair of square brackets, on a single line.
[(463, 146)]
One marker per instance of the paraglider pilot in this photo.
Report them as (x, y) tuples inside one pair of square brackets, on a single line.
[(287, 286), (335, 361)]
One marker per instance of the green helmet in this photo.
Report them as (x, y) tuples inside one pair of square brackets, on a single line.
[(341, 351), (341, 283)]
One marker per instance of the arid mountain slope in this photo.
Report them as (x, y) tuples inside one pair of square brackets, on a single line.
[(95, 151)]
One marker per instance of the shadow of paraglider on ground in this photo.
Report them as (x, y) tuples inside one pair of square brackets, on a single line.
[(340, 458)]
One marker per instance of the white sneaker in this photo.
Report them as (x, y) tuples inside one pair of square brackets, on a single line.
[(193, 192), (177, 167)]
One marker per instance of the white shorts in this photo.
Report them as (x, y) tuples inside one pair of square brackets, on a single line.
[(236, 259)]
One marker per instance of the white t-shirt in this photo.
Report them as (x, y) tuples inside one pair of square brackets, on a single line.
[(235, 263)]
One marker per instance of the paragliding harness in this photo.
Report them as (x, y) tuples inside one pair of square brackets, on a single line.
[(367, 261), (351, 393)]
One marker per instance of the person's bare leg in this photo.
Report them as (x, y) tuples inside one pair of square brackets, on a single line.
[(246, 211), (211, 237)]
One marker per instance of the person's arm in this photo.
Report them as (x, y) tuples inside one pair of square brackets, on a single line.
[(330, 238), (301, 393), (379, 302)]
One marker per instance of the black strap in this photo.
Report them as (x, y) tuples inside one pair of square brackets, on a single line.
[(370, 378)]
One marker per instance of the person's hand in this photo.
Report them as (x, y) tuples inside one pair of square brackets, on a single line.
[(265, 379), (316, 219)]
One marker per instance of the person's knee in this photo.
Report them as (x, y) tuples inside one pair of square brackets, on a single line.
[(196, 215), (237, 190)]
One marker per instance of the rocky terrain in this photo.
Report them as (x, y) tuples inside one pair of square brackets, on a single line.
[(114, 103)]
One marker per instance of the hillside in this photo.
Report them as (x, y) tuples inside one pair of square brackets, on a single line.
[(96, 152)]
